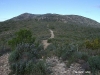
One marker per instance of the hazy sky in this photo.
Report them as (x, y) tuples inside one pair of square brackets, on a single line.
[(87, 8)]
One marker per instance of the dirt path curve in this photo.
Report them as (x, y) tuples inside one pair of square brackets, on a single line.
[(45, 43), (52, 34)]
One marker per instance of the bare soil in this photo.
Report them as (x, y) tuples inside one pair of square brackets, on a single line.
[(45, 43), (4, 65)]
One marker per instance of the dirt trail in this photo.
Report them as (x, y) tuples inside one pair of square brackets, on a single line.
[(4, 65), (45, 43), (57, 66), (52, 34)]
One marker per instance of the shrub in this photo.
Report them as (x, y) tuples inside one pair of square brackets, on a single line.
[(50, 40), (25, 60), (38, 68), (25, 54), (22, 36), (68, 51), (81, 55), (18, 68), (63, 51), (94, 63), (13, 57), (52, 27), (50, 51), (93, 44)]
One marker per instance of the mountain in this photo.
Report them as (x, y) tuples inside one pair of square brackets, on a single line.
[(70, 19), (75, 39)]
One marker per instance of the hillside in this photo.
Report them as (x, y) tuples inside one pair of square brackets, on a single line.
[(80, 20), (65, 27), (75, 39)]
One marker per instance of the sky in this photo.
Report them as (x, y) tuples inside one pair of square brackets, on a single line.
[(86, 8)]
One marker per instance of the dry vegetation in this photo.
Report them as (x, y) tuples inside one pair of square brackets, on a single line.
[(72, 42)]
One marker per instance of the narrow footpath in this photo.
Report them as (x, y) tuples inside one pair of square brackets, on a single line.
[(45, 43), (57, 66)]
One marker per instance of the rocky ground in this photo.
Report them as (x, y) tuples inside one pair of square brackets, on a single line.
[(57, 67), (4, 65)]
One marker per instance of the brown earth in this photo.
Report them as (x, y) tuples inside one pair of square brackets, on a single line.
[(4, 65), (45, 43)]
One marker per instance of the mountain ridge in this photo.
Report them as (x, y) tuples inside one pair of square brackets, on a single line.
[(71, 34), (76, 19)]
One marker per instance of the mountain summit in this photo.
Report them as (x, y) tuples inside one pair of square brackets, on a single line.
[(72, 19)]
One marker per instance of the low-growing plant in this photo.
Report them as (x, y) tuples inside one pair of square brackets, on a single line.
[(52, 27), (14, 56), (94, 63), (38, 68), (22, 36), (68, 51), (50, 40), (81, 55), (25, 60), (92, 44), (50, 51)]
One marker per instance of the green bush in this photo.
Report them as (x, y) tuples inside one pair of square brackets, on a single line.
[(81, 55), (50, 40), (14, 56), (29, 68), (38, 68), (93, 44), (18, 68), (22, 36), (26, 52), (94, 63), (50, 51), (63, 51), (68, 51), (52, 27), (25, 60)]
